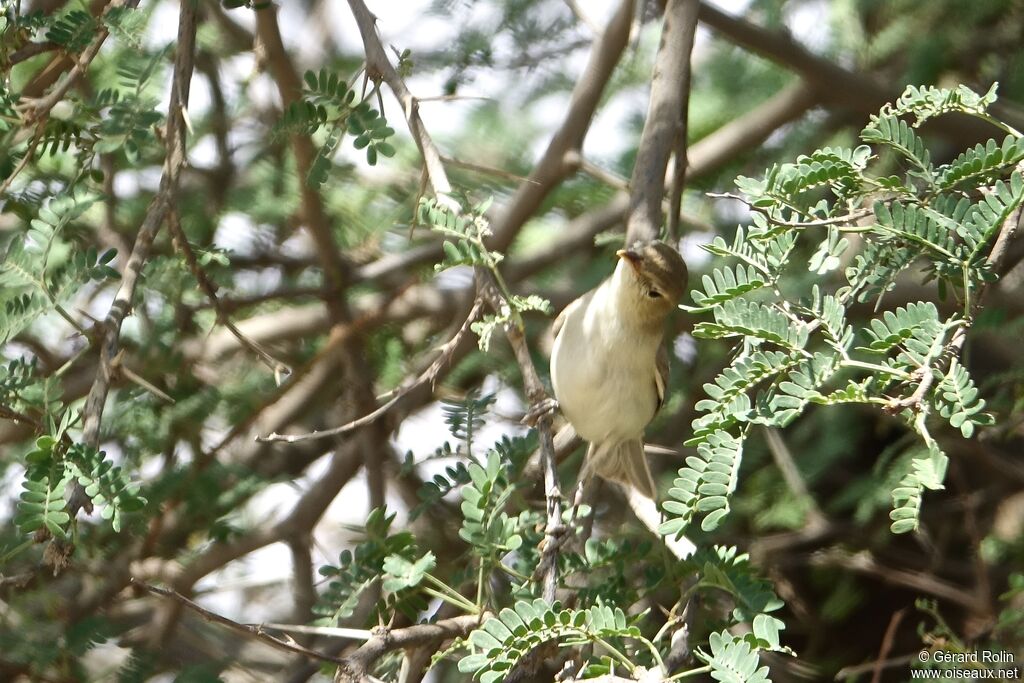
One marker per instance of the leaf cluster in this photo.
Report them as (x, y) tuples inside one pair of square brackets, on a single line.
[(944, 217)]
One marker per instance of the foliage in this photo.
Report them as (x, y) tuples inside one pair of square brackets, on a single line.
[(329, 104), (504, 640), (375, 559), (787, 356), (864, 275)]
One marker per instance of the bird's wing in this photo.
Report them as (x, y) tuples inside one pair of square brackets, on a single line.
[(556, 326), (661, 374)]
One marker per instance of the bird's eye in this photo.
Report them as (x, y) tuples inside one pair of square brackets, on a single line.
[(654, 294)]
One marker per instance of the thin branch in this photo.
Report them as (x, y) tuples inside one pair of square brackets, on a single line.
[(612, 179), (858, 670), (865, 563), (823, 222), (23, 162), (317, 222), (887, 642), (993, 261), (833, 84), (665, 121), (158, 209), (426, 377), (250, 630), (31, 50), (344, 464), (552, 168), (378, 66), (486, 169), (794, 480), (537, 396), (453, 98), (39, 108), (646, 511), (326, 631), (182, 244)]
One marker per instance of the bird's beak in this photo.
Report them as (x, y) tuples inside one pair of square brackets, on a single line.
[(632, 257)]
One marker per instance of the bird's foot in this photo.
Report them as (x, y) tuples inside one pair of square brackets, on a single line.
[(546, 408)]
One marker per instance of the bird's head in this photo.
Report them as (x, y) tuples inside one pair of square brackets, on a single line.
[(653, 275)]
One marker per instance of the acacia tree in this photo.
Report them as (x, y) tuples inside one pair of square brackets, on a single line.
[(840, 447)]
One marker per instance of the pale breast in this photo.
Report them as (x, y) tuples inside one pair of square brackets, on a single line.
[(603, 379)]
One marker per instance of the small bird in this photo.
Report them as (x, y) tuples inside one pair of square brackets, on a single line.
[(609, 367)]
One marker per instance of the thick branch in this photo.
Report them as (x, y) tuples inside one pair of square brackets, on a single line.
[(670, 89), (833, 83), (749, 130), (552, 168)]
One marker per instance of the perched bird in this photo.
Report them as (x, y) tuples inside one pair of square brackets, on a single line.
[(609, 367)]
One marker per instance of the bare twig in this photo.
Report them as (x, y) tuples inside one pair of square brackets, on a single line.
[(158, 209), (552, 168), (426, 377), (317, 222), (537, 396), (794, 480), (665, 121), (181, 242), (337, 270), (486, 169), (38, 109), (251, 630), (861, 669), (860, 91), (865, 563), (25, 159), (823, 222), (887, 642)]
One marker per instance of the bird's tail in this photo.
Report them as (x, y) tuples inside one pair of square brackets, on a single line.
[(624, 463)]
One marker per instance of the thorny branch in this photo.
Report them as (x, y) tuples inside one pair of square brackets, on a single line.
[(181, 242), (352, 668), (378, 66), (155, 216), (251, 630), (428, 376), (537, 396)]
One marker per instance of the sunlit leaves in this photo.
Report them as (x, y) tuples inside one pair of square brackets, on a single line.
[(788, 353), (958, 401), (503, 640), (41, 506), (733, 660)]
